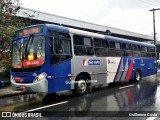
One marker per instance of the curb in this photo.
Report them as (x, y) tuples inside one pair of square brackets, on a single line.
[(13, 94)]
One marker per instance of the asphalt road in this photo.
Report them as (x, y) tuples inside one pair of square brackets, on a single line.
[(116, 102)]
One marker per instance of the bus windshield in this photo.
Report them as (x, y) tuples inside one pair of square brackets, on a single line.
[(28, 52)]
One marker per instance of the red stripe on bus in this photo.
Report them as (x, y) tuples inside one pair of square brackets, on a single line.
[(130, 71), (118, 69)]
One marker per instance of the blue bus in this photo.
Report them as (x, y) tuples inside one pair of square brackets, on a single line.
[(51, 58)]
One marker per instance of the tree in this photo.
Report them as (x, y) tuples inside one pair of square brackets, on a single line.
[(9, 23)]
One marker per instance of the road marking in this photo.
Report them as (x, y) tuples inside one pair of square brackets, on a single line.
[(125, 86), (151, 118), (45, 107)]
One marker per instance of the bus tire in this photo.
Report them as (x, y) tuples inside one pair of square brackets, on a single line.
[(81, 86), (137, 75)]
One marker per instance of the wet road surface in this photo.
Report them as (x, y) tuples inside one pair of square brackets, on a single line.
[(113, 102)]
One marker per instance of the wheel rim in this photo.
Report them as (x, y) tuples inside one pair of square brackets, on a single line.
[(137, 76), (82, 85)]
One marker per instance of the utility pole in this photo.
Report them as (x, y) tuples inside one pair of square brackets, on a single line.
[(154, 26)]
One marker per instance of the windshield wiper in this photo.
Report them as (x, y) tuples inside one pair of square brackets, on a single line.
[(26, 48), (30, 40)]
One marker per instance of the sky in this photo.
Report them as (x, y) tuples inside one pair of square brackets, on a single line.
[(130, 15)]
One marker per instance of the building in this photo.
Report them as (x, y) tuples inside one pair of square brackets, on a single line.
[(42, 17)]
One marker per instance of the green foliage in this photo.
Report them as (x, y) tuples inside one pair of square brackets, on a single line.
[(9, 23), (5, 64)]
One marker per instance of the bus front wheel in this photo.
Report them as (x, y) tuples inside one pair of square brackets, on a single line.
[(81, 85)]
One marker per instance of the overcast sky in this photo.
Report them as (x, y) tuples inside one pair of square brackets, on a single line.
[(130, 15)]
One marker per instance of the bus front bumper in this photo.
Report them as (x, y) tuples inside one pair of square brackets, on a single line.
[(39, 86)]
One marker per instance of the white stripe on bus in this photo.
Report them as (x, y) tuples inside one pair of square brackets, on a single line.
[(120, 71), (125, 73)]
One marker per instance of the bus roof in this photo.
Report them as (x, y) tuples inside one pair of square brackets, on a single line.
[(129, 41), (86, 33)]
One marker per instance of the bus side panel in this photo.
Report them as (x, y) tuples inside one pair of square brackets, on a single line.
[(156, 66), (61, 81), (95, 66), (147, 66), (153, 66), (125, 63), (137, 65), (125, 69), (114, 69), (150, 67)]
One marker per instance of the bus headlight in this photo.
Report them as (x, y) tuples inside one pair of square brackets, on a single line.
[(41, 76)]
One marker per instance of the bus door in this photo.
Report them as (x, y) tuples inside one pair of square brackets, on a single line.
[(112, 68)]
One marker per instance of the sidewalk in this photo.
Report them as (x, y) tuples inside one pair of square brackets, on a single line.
[(4, 81), (8, 92), (5, 88)]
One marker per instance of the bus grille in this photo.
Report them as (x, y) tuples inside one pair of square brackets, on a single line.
[(27, 89), (23, 74)]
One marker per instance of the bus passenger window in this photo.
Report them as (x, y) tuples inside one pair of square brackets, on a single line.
[(100, 43), (51, 45), (128, 47), (118, 45), (101, 52), (119, 53), (134, 47), (112, 44), (101, 46), (138, 48), (83, 45), (143, 48), (153, 55), (89, 50), (87, 41), (151, 52), (79, 50), (78, 40), (60, 47), (136, 53), (150, 49), (128, 53), (112, 52), (145, 54), (97, 42), (123, 46), (105, 43)]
